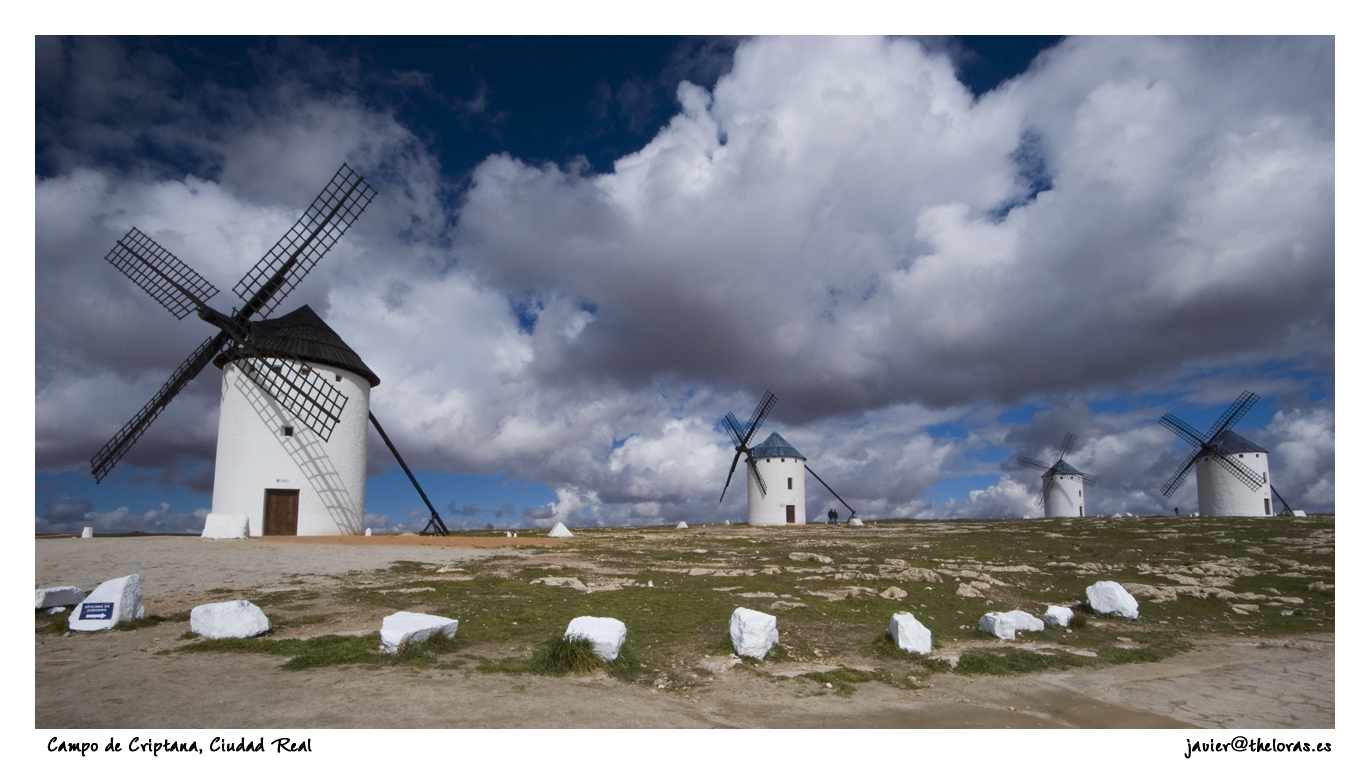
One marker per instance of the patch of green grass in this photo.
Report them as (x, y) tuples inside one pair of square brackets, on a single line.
[(844, 679), (331, 650), (566, 656), (1015, 662), (50, 624), (129, 625)]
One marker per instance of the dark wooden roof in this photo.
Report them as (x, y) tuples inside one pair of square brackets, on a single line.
[(301, 333)]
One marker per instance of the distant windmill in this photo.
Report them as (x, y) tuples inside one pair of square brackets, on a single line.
[(290, 455), (1242, 486), (773, 463), (1059, 481)]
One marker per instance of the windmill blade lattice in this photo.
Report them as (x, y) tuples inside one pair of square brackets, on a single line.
[(160, 274), (1177, 477), (1174, 424), (1029, 462), (114, 449), (752, 466), (1240, 471), (742, 437), (1235, 412), (279, 271), (315, 403)]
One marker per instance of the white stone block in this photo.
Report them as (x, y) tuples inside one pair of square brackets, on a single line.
[(1298, 513), (1111, 598), (559, 530), (231, 619), (855, 522), (909, 634), (57, 596), (87, 532), (225, 526), (682, 525), (117, 600), (1058, 616), (606, 635), (405, 627), (753, 632), (368, 532), (1005, 625)]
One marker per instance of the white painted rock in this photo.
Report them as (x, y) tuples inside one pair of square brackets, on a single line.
[(1111, 598), (368, 532), (909, 634), (753, 632), (118, 600), (682, 525), (1298, 513), (225, 526), (606, 635), (87, 532), (1058, 616), (232, 619), (1004, 625), (50, 597), (559, 531), (405, 627), (855, 522)]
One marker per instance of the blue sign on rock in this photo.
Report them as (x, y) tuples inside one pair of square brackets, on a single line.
[(97, 611)]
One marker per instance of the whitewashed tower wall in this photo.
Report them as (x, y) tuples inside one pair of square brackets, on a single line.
[(1222, 493), (1065, 496), (785, 485), (254, 455)]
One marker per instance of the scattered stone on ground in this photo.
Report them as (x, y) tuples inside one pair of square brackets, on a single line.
[(753, 632), (560, 530), (114, 601), (88, 532), (50, 597), (682, 525), (225, 526), (802, 556), (407, 628), (1004, 625), (894, 593), (1111, 598), (855, 522), (606, 635), (232, 619), (909, 634), (1058, 616)]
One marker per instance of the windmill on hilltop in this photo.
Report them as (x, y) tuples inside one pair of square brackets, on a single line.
[(773, 463), (291, 455), (1241, 486), (1063, 494)]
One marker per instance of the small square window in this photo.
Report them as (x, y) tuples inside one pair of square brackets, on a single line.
[(287, 431), (337, 378)]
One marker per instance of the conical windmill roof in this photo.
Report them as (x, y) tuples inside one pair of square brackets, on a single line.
[(1232, 443), (1064, 467), (304, 335), (775, 446)]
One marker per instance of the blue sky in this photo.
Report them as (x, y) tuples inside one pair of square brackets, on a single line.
[(938, 252)]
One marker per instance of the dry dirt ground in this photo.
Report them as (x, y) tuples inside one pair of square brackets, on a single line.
[(124, 679)]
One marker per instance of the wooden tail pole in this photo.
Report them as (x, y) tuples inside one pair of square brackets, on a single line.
[(435, 523)]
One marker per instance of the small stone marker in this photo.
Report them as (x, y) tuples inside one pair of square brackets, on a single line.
[(1111, 598), (231, 619), (1298, 513), (1004, 625), (753, 632), (368, 532), (87, 532), (117, 600), (909, 634), (855, 522), (606, 635), (1058, 616), (51, 597), (682, 525), (225, 526), (559, 530), (894, 593), (405, 627)]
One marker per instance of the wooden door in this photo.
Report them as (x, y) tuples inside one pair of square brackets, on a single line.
[(789, 513), (281, 513)]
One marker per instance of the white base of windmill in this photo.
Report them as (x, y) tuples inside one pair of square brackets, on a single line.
[(257, 465), (1224, 494), (784, 503), (1065, 496)]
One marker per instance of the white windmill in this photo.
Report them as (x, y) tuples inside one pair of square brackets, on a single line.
[(291, 454), (775, 471), (1063, 494), (1232, 472)]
